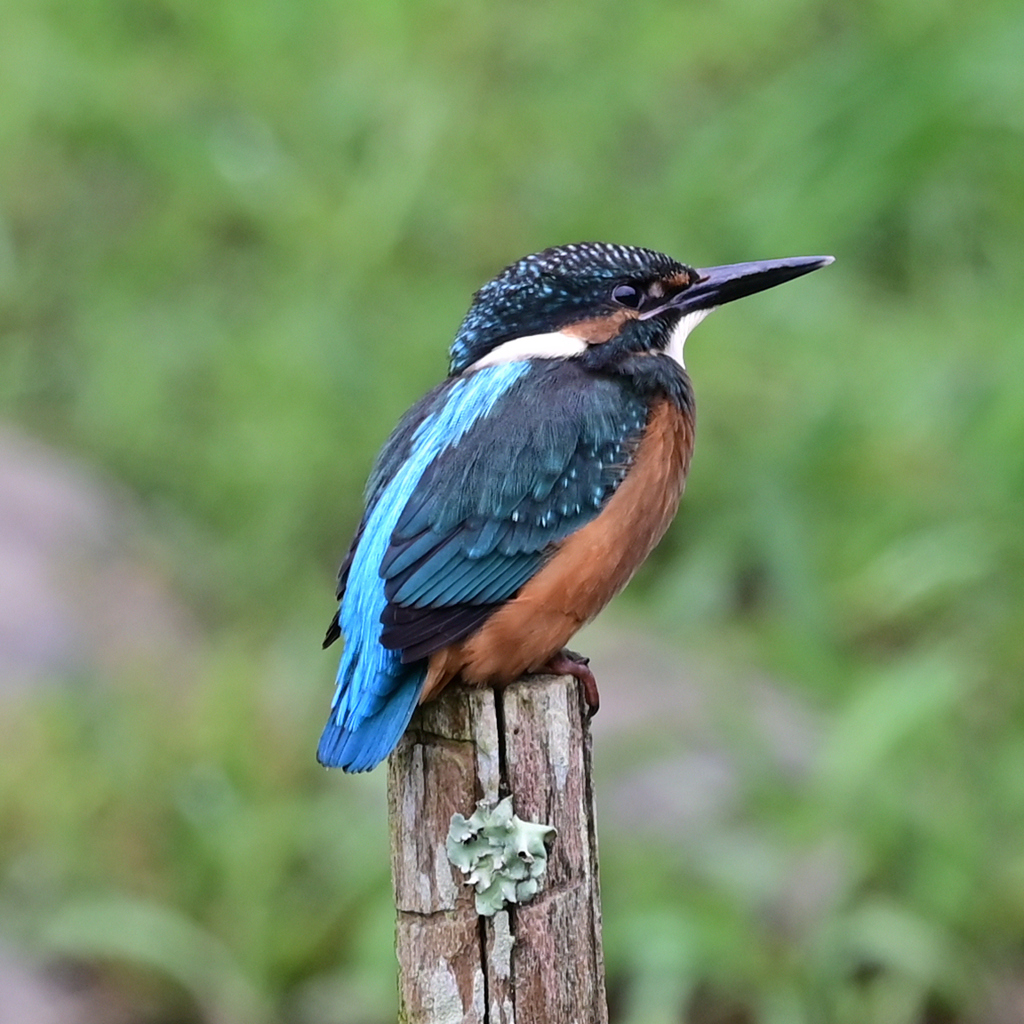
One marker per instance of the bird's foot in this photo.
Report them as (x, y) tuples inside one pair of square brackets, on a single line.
[(569, 663)]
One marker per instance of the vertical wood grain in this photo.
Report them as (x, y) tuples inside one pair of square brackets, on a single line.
[(530, 964)]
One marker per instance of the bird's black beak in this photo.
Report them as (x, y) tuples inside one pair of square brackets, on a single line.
[(717, 285)]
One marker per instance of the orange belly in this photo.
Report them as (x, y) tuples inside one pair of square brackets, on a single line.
[(585, 573)]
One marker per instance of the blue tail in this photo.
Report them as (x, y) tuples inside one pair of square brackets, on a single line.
[(368, 720)]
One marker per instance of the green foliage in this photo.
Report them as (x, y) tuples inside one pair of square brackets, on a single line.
[(235, 240), (193, 835)]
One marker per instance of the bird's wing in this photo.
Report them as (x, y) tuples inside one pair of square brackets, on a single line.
[(487, 510)]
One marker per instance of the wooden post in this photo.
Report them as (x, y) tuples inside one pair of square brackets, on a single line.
[(537, 963)]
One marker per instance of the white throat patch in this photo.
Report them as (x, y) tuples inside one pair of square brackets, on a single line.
[(555, 345), (682, 332)]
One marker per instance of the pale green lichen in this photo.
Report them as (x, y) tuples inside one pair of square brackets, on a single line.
[(503, 857)]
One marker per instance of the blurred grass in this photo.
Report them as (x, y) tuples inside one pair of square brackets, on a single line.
[(234, 243)]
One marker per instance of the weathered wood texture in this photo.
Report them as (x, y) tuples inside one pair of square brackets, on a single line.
[(539, 963)]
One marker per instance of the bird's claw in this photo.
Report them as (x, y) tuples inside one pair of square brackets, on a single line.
[(569, 663)]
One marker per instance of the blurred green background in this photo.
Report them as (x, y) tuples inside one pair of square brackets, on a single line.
[(235, 241)]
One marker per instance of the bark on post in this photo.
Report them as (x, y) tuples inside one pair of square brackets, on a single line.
[(537, 963)]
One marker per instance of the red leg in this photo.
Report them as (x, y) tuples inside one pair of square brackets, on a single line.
[(569, 663)]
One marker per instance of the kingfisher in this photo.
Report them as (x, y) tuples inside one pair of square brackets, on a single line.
[(514, 500)]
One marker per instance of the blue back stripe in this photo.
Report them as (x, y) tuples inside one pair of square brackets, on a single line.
[(376, 694)]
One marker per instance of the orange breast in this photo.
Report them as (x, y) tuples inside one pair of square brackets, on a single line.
[(588, 570)]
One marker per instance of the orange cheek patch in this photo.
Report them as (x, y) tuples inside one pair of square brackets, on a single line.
[(681, 280), (600, 329)]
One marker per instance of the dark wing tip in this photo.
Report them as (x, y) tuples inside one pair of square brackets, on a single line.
[(333, 631)]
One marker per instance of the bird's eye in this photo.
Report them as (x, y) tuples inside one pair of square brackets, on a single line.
[(627, 295)]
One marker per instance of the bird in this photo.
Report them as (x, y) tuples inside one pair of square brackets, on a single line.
[(517, 497)]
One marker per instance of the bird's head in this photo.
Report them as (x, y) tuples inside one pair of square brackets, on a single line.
[(596, 301)]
